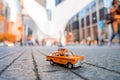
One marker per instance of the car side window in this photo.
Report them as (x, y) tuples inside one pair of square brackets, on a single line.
[(57, 54), (68, 54), (61, 54)]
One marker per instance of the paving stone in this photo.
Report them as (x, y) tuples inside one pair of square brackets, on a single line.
[(21, 69), (24, 69)]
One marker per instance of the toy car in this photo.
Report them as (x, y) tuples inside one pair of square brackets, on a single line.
[(65, 57)]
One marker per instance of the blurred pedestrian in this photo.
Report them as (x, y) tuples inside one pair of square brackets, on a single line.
[(114, 20), (37, 42), (102, 39), (96, 38), (101, 27), (21, 43), (89, 40)]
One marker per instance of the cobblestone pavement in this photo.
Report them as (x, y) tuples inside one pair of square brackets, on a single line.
[(29, 63)]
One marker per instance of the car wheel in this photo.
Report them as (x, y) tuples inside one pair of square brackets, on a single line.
[(70, 66), (51, 62)]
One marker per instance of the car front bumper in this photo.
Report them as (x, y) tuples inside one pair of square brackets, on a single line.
[(78, 63)]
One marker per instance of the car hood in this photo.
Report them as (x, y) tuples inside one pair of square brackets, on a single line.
[(78, 57)]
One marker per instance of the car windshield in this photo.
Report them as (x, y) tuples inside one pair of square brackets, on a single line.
[(68, 54)]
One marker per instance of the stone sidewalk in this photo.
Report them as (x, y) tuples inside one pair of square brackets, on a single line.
[(29, 63)]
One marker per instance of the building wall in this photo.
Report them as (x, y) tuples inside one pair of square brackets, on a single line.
[(9, 27), (89, 18), (72, 30), (96, 11), (42, 2), (58, 2), (2, 19)]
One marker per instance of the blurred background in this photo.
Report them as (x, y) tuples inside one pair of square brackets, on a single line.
[(53, 22)]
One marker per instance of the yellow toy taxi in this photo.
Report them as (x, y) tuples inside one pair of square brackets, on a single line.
[(65, 57)]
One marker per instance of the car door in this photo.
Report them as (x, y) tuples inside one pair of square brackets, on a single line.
[(61, 58), (56, 59)]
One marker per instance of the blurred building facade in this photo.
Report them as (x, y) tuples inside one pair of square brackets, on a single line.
[(30, 26), (58, 2), (87, 22), (50, 5), (72, 30), (11, 25), (11, 21), (42, 2), (2, 19)]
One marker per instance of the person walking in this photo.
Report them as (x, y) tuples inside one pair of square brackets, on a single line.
[(89, 40), (115, 22), (102, 39)]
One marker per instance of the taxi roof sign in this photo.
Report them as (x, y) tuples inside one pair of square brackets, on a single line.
[(62, 49)]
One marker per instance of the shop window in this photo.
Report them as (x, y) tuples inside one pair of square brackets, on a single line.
[(102, 13), (75, 25), (82, 22), (94, 17), (88, 20)]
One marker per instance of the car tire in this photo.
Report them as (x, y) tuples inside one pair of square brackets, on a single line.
[(70, 66), (51, 62)]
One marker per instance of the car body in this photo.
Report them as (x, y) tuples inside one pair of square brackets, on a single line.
[(65, 57)]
